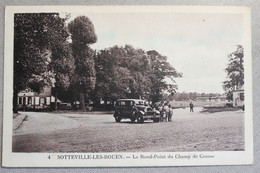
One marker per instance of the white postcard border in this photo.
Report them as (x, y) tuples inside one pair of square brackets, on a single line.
[(11, 159)]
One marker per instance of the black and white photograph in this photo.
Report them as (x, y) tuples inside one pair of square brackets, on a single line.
[(127, 86)]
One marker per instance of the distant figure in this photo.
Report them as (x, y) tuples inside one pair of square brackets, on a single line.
[(191, 107), (166, 110), (170, 113)]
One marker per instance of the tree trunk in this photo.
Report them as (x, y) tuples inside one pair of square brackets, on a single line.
[(82, 101), (56, 103), (15, 108), (34, 99), (96, 104)]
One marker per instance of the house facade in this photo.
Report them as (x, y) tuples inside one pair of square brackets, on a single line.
[(238, 97), (29, 100)]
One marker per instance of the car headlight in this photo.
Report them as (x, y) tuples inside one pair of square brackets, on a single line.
[(142, 112), (157, 112)]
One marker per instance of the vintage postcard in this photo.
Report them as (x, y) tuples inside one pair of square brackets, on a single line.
[(127, 86)]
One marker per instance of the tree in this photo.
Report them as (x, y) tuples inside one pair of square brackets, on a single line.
[(127, 72), (229, 96), (114, 74), (34, 36), (235, 70), (83, 34), (62, 66), (160, 70), (137, 62), (193, 96), (122, 72)]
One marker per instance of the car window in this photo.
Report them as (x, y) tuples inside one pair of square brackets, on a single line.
[(149, 109), (140, 103), (128, 103)]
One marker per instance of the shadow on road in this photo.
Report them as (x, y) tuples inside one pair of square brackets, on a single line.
[(129, 122)]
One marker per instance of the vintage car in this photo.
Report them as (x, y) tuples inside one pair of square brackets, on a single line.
[(135, 109)]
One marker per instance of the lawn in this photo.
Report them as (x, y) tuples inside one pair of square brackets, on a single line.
[(219, 109)]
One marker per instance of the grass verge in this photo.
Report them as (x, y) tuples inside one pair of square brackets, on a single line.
[(219, 109)]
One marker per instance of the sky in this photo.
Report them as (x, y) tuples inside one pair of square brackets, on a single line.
[(196, 45)]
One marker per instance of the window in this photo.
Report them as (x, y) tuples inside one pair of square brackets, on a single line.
[(242, 96), (149, 109), (37, 99), (140, 103), (24, 100), (128, 103), (42, 101), (29, 100), (20, 100), (48, 100)]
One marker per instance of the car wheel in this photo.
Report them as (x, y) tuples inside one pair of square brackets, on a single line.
[(140, 118), (118, 119)]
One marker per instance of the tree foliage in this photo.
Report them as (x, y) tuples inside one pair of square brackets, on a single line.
[(160, 70), (112, 79), (83, 34), (137, 62), (62, 67), (43, 56), (35, 36), (126, 72), (235, 70)]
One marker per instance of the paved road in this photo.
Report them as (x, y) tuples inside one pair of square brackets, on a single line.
[(98, 132)]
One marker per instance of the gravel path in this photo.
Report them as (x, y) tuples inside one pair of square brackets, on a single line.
[(98, 132)]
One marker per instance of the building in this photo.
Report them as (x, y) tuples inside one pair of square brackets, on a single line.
[(29, 100), (238, 97)]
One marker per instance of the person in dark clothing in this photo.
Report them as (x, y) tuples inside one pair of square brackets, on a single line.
[(191, 107)]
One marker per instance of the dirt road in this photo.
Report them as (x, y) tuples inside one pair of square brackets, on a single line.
[(98, 132)]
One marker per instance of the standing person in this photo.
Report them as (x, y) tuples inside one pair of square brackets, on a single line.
[(191, 107), (166, 110), (170, 114), (160, 109)]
